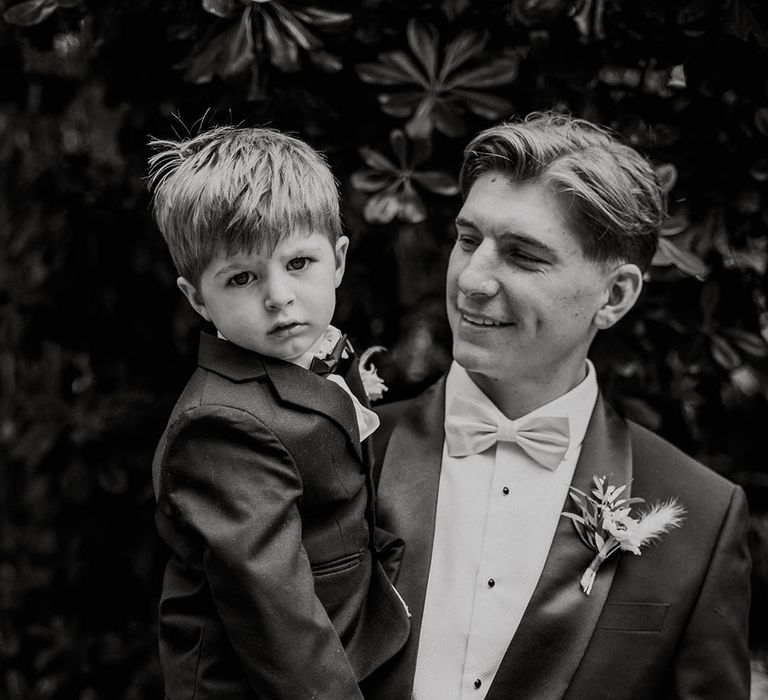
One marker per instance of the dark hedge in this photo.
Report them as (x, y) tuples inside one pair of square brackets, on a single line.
[(96, 342)]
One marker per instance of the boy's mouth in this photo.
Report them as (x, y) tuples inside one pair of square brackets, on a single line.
[(286, 329)]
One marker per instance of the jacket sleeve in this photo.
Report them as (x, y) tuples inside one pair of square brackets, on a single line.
[(713, 657), (233, 483)]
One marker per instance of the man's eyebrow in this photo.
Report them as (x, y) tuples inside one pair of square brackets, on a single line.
[(466, 223)]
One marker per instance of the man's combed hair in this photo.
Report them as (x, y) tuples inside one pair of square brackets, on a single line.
[(609, 193), (235, 189)]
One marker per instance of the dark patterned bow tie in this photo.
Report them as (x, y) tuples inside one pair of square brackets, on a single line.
[(472, 427), (336, 362)]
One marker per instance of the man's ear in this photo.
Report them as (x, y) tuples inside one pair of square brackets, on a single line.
[(194, 297), (624, 286), (340, 252)]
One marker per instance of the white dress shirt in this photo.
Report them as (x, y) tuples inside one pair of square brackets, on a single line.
[(497, 512)]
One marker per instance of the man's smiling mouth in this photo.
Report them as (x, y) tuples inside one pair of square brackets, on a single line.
[(482, 321)]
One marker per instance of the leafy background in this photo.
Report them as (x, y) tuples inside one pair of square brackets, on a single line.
[(96, 342)]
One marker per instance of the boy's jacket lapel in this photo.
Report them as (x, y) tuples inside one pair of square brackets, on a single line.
[(292, 384), (559, 619)]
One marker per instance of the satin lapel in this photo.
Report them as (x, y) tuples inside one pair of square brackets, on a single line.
[(560, 618), (306, 390), (408, 496)]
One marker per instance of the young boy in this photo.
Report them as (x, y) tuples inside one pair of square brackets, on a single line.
[(273, 589)]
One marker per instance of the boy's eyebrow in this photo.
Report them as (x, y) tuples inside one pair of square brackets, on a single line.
[(511, 236)]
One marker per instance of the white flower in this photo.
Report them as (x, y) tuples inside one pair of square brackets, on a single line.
[(622, 528), (372, 383)]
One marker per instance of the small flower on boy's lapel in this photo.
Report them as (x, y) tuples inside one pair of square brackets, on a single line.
[(606, 526), (372, 383)]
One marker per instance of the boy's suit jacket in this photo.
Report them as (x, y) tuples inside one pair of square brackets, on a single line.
[(671, 623), (263, 494)]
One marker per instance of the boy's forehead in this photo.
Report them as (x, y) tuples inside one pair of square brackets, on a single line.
[(267, 246)]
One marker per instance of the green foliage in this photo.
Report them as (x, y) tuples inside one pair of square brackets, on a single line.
[(96, 342)]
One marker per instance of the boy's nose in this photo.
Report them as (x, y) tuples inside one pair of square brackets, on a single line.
[(278, 293)]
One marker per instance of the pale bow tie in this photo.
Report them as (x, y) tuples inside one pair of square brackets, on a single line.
[(472, 427)]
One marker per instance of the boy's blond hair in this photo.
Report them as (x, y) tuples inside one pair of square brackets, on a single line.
[(235, 189)]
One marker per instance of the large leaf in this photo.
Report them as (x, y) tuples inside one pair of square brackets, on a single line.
[(402, 61), (381, 74), (370, 180), (399, 144), (382, 207), (750, 343), (301, 35), (400, 105), (437, 182), (499, 71), (423, 42), (464, 47), (724, 353), (374, 159), (485, 105), (422, 122), (328, 20), (448, 119), (238, 52), (669, 254), (220, 8), (30, 12), (283, 52)]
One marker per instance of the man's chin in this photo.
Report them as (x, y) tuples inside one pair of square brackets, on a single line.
[(476, 359)]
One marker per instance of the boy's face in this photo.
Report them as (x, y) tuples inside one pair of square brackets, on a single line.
[(277, 305)]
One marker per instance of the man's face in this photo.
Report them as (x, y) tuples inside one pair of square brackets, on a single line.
[(521, 297), (277, 305)]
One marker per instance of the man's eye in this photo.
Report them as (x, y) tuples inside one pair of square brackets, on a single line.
[(525, 259), (297, 264), (466, 242), (241, 279)]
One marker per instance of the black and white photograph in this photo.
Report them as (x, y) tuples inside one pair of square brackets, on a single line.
[(383, 350)]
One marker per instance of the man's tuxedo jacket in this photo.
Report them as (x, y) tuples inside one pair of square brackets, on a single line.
[(265, 501), (670, 623)]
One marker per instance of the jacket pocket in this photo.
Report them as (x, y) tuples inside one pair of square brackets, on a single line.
[(633, 617), (336, 566)]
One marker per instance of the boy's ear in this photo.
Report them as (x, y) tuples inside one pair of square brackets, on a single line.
[(193, 296), (340, 251), (624, 286)]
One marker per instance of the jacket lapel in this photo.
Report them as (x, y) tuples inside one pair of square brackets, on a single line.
[(560, 618), (297, 386), (408, 502), (292, 384)]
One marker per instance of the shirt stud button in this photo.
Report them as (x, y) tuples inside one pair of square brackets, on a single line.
[(505, 490), (491, 583), (478, 682)]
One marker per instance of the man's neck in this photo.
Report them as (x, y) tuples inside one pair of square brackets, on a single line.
[(519, 398)]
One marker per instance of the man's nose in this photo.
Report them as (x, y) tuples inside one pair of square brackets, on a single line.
[(278, 293), (478, 278)]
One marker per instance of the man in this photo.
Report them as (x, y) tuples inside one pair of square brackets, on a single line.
[(558, 225)]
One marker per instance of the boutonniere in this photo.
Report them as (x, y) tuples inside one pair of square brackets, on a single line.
[(372, 383), (606, 524)]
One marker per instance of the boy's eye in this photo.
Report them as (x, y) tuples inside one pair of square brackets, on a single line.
[(297, 264), (240, 279)]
